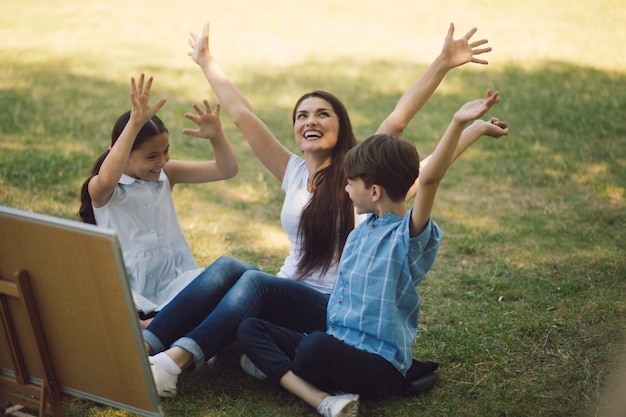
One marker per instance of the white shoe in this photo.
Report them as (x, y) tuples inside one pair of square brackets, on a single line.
[(250, 368), (164, 381), (346, 405), (212, 360)]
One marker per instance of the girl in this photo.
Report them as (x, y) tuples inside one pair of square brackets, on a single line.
[(317, 216), (130, 191)]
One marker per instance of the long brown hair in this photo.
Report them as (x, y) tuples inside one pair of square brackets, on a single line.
[(328, 217), (153, 127)]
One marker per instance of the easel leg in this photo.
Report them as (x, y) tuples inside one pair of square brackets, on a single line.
[(50, 400), (50, 392)]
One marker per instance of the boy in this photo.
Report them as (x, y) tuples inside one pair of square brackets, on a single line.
[(373, 308)]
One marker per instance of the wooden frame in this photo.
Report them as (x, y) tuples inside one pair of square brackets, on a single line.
[(69, 325)]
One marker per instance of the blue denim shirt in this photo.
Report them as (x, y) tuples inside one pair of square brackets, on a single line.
[(374, 305)]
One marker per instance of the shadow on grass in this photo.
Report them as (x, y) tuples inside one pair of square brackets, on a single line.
[(536, 218)]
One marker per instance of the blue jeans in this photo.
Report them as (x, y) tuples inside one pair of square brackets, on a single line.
[(203, 320), (194, 303)]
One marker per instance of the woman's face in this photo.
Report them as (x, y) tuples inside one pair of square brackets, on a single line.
[(316, 126)]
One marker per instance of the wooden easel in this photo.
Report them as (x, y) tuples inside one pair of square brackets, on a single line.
[(56, 275), (19, 390)]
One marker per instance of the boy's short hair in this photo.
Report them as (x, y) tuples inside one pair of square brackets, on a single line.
[(388, 161)]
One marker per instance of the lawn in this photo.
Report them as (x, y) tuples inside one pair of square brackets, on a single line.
[(525, 306)]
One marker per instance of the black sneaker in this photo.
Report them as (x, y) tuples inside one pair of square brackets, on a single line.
[(420, 378)]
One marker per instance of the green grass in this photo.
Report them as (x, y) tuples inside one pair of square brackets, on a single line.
[(525, 305)]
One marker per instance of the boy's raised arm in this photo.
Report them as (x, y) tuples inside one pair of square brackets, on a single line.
[(431, 175), (494, 128)]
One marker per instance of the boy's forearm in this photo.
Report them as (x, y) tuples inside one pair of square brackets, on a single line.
[(444, 154), (469, 135)]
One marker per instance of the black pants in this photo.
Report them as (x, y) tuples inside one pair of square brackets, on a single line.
[(319, 358)]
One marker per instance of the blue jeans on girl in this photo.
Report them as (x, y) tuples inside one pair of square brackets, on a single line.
[(204, 317)]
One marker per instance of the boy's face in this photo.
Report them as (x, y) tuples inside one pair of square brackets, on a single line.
[(360, 196), (146, 161)]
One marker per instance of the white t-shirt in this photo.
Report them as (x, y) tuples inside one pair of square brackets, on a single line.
[(158, 259), (296, 198)]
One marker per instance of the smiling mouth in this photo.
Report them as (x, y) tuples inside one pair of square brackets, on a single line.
[(312, 135)]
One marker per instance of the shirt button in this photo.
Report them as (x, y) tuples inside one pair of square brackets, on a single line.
[(339, 302), (374, 226), (332, 327), (151, 230), (149, 205)]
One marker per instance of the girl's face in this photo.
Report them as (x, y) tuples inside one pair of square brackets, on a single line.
[(147, 161), (316, 126)]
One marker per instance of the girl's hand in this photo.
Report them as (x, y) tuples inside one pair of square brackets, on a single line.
[(460, 51), (141, 110), (200, 45), (476, 108), (207, 120)]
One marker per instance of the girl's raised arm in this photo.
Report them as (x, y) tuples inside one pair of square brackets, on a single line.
[(224, 165), (101, 186)]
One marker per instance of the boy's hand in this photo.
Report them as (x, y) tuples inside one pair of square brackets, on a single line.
[(208, 121), (476, 108), (500, 123), (494, 127)]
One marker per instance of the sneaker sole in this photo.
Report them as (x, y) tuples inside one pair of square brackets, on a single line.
[(350, 410), (166, 394)]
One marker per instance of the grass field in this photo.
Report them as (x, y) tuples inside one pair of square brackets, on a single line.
[(525, 306)]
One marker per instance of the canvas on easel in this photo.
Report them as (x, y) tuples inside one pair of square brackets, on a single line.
[(80, 337)]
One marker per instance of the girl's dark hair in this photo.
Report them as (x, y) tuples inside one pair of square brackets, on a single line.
[(328, 218), (153, 127), (385, 160)]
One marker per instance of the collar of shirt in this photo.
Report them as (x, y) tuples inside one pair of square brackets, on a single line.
[(126, 179), (387, 217)]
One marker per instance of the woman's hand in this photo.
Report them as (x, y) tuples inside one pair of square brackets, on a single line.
[(200, 45), (458, 52)]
